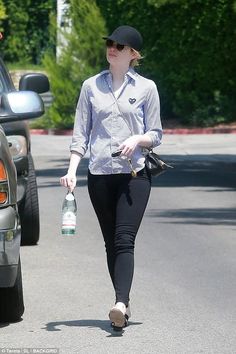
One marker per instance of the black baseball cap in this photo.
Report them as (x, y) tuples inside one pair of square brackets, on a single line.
[(127, 35)]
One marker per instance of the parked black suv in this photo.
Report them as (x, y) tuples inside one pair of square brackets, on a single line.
[(19, 215), (19, 142)]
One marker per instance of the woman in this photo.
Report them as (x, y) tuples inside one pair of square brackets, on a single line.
[(118, 116)]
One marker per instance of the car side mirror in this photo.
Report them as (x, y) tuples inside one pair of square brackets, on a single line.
[(34, 82), (20, 105)]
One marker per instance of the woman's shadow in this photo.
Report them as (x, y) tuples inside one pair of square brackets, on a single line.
[(104, 325)]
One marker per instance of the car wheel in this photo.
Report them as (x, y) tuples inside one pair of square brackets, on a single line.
[(11, 300), (29, 209)]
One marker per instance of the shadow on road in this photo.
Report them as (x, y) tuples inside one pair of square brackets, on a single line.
[(195, 173), (190, 171), (104, 325), (58, 171), (203, 216), (4, 324)]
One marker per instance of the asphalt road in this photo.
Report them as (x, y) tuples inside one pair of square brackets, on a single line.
[(184, 291)]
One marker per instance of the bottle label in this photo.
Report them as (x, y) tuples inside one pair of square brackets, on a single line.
[(68, 223)]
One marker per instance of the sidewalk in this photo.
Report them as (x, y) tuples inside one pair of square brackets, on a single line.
[(180, 131)]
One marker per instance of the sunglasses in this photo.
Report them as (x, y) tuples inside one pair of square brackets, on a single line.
[(110, 44)]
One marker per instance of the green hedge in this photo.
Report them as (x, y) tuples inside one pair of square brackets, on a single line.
[(26, 30), (190, 51)]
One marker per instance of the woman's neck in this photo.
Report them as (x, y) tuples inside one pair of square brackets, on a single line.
[(118, 76)]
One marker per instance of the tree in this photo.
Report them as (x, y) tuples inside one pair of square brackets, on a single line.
[(81, 57), (2, 14), (2, 17), (26, 29)]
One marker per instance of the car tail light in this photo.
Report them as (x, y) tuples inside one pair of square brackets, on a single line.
[(3, 183), (3, 173), (3, 197)]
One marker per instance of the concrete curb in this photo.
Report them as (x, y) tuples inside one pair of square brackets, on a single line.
[(51, 131), (222, 130), (180, 131)]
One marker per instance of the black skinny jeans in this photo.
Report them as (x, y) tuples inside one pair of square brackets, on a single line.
[(119, 201)]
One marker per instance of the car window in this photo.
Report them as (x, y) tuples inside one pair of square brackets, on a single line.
[(2, 84)]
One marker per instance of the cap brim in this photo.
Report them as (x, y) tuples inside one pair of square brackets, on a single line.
[(113, 38)]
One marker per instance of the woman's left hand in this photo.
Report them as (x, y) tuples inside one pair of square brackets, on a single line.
[(129, 145)]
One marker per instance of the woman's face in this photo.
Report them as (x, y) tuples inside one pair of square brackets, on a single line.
[(117, 54)]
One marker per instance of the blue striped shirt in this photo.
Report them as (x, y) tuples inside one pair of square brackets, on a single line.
[(103, 122)]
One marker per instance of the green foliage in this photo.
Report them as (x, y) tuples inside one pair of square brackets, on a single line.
[(159, 3), (197, 58), (190, 51), (26, 34), (2, 14), (82, 55)]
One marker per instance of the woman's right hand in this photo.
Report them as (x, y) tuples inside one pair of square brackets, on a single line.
[(68, 181)]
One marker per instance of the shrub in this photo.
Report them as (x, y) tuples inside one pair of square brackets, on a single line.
[(26, 34), (82, 55)]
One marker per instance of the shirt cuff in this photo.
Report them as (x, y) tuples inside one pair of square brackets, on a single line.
[(81, 151), (155, 137)]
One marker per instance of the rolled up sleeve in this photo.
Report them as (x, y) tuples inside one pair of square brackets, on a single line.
[(153, 127), (83, 122)]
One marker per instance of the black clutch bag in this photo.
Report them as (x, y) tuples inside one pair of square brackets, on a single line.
[(155, 165)]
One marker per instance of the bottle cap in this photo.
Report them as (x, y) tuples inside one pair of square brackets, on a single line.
[(70, 196)]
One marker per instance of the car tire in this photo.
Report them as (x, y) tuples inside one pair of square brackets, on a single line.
[(11, 300), (29, 209)]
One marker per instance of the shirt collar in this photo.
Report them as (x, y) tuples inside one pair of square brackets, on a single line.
[(131, 73)]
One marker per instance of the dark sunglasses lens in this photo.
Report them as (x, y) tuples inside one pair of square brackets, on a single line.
[(120, 47), (109, 43)]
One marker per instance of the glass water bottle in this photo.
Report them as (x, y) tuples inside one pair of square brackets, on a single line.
[(69, 211)]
